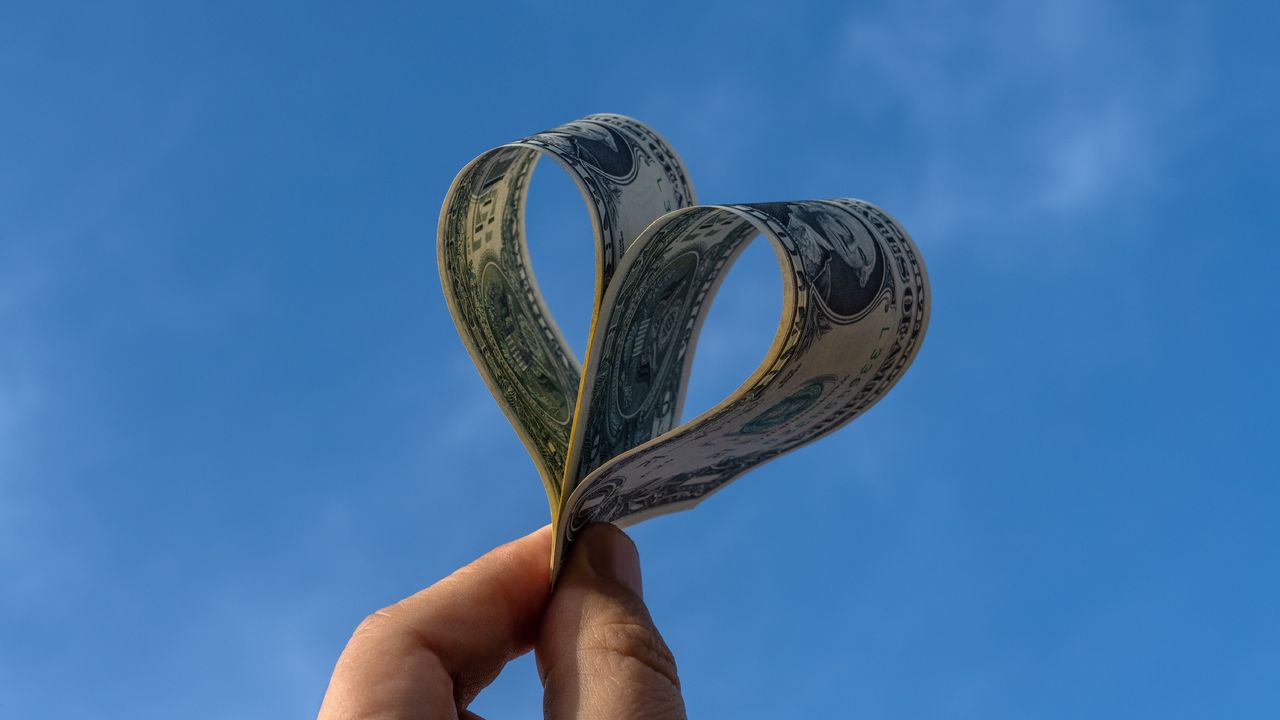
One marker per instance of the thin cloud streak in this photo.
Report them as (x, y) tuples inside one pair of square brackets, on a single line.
[(1086, 103)]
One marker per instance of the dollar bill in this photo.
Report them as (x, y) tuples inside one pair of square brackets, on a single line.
[(606, 434), (629, 176)]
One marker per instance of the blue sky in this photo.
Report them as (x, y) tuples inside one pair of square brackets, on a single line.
[(235, 416)]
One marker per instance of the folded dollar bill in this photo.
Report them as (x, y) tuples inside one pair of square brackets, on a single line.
[(605, 433)]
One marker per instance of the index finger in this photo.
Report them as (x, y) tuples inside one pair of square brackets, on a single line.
[(431, 653)]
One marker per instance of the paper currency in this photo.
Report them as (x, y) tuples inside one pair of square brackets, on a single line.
[(605, 434)]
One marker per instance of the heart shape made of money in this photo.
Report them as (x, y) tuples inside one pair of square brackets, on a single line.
[(605, 437)]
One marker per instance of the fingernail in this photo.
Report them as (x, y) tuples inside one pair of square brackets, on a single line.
[(612, 555)]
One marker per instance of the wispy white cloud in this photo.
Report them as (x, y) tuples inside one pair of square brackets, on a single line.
[(18, 390), (45, 254), (22, 394), (1026, 110)]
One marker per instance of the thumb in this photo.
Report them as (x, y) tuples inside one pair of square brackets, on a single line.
[(598, 652)]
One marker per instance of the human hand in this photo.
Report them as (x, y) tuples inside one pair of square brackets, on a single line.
[(598, 652)]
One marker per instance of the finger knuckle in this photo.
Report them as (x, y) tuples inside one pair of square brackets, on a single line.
[(633, 642), (374, 623)]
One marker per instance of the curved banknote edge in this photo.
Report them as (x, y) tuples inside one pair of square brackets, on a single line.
[(605, 438), (855, 309), (629, 176)]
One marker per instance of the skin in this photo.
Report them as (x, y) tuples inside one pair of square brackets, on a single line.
[(598, 652)]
